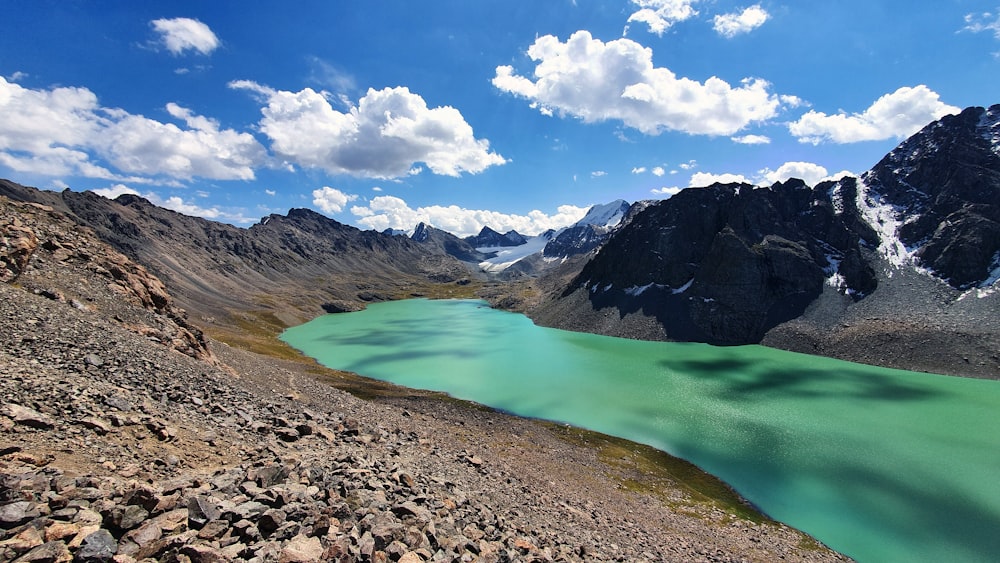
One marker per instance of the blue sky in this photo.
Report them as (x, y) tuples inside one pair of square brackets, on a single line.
[(462, 114)]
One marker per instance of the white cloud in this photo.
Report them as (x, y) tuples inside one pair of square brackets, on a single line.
[(666, 192), (598, 173), (985, 21), (638, 169), (703, 179), (658, 171), (808, 172), (184, 34), (114, 191), (689, 164), (732, 24), (65, 131), (139, 145), (752, 140), (384, 136), (331, 200), (385, 212), (271, 193), (899, 114), (175, 203), (660, 15), (596, 81)]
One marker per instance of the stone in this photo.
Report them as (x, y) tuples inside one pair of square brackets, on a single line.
[(61, 530), (411, 557), (95, 424), (50, 552), (97, 547), (132, 516), (270, 521), (301, 549), (17, 513), (201, 510), (204, 554), (28, 417)]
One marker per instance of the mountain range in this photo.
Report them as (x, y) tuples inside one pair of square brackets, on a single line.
[(897, 267)]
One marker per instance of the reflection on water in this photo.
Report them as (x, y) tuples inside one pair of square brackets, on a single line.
[(883, 465)]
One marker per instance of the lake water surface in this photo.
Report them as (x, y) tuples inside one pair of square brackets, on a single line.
[(882, 465)]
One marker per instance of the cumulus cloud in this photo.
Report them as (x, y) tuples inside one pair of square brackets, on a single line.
[(114, 191), (658, 171), (185, 34), (703, 179), (660, 15), (752, 140), (899, 114), (666, 192), (385, 212), (65, 132), (808, 172), (175, 203), (733, 24), (139, 145), (384, 136), (596, 81), (598, 173), (331, 200), (638, 169)]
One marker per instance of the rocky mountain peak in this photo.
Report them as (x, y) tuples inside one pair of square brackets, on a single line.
[(940, 193), (487, 237)]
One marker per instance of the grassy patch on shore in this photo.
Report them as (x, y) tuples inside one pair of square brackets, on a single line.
[(648, 470)]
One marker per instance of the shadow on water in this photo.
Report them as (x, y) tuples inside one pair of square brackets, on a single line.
[(745, 379)]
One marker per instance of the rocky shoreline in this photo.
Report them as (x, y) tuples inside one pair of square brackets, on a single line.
[(116, 445)]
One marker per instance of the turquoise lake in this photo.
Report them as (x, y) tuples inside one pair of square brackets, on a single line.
[(882, 465)]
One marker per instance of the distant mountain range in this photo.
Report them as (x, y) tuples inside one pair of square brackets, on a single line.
[(898, 267)]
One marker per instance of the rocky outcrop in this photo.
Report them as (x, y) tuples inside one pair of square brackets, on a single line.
[(726, 263), (45, 253)]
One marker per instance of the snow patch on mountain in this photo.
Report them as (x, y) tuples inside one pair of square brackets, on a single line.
[(989, 286), (507, 256), (989, 128), (884, 218), (607, 215)]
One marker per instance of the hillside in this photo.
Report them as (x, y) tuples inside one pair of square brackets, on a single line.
[(125, 433), (294, 266)]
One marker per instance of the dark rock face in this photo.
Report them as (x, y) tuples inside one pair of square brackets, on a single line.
[(488, 237), (578, 239), (944, 183), (726, 263), (447, 243)]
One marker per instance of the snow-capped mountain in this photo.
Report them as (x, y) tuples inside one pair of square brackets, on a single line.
[(587, 233)]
